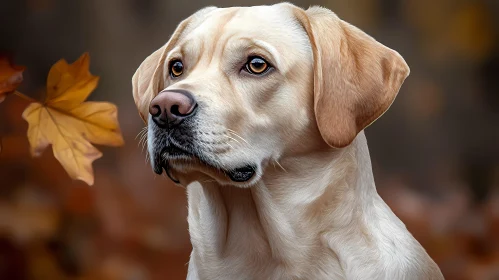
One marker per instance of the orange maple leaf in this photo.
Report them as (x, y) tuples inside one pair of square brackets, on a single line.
[(11, 76), (70, 124)]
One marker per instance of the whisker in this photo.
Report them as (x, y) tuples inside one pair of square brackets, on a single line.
[(142, 131), (143, 143), (237, 135), (139, 135), (281, 166), (143, 140), (233, 139), (140, 140), (143, 136), (230, 145)]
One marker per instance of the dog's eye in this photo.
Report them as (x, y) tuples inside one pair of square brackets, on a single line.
[(176, 68), (257, 65)]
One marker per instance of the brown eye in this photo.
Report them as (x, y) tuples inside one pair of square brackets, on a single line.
[(257, 65), (176, 68)]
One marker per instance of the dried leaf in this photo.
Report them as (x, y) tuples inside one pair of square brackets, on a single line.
[(11, 76), (70, 124)]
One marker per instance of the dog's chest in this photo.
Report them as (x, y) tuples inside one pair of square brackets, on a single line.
[(230, 242)]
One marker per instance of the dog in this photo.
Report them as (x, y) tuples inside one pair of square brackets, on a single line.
[(259, 112)]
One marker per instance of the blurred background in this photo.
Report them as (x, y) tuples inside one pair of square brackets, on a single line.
[(435, 153)]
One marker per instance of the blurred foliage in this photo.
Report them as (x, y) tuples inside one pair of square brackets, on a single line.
[(11, 76), (68, 123), (435, 153)]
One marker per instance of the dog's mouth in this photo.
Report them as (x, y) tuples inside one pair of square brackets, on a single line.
[(168, 153), (174, 153)]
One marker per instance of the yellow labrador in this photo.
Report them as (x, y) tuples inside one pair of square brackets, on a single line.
[(259, 112)]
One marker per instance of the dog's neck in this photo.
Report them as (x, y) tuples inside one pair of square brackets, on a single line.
[(317, 213)]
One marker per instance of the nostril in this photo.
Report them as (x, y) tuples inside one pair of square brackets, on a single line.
[(155, 111), (175, 110), (182, 110)]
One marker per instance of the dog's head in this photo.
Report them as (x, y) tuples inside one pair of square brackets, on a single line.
[(236, 88)]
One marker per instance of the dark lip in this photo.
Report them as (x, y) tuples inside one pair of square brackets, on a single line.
[(171, 152), (241, 174), (176, 152), (166, 167)]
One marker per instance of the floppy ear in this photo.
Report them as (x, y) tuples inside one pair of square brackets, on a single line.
[(148, 80), (356, 78), (142, 82)]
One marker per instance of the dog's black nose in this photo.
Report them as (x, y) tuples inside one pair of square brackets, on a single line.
[(171, 106)]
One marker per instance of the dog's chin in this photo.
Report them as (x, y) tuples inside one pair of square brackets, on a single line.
[(179, 160)]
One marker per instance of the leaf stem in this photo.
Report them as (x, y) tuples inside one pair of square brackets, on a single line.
[(25, 97)]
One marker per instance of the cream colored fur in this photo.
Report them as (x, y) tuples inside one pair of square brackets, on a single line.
[(311, 211)]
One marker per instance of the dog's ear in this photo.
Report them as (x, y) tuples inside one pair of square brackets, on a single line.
[(148, 80), (356, 78), (144, 88)]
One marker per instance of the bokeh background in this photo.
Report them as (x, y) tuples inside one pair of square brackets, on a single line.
[(435, 152)]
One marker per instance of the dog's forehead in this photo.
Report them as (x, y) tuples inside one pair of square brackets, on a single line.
[(274, 24)]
